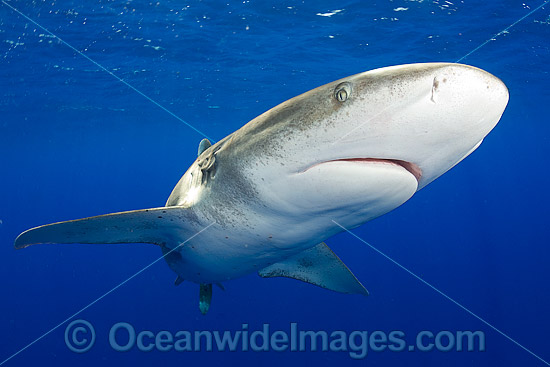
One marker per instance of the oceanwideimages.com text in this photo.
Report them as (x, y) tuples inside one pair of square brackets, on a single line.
[(80, 337)]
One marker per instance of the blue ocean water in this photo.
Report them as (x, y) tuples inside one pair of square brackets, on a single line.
[(75, 142)]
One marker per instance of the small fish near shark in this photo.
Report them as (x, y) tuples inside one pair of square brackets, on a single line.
[(264, 198)]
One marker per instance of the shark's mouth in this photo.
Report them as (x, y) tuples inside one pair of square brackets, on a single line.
[(412, 168)]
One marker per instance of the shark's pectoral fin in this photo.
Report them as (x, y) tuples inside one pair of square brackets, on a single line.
[(156, 226), (319, 266)]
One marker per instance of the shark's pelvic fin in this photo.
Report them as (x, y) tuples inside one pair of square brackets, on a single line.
[(205, 297), (178, 281), (156, 226), (319, 266), (203, 145)]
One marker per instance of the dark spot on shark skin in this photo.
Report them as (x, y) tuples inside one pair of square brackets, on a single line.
[(172, 257), (305, 263), (159, 217)]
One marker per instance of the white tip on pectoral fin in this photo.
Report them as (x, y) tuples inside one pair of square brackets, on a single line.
[(319, 266)]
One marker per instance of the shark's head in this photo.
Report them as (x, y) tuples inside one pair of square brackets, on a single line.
[(365, 143)]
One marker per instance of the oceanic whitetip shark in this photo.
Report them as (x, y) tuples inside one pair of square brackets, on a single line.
[(270, 193)]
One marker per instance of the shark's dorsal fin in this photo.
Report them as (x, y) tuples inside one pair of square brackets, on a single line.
[(319, 266), (203, 145), (156, 226)]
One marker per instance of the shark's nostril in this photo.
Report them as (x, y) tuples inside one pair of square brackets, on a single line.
[(435, 87), (437, 84)]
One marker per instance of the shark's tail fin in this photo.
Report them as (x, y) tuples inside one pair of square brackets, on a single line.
[(156, 226)]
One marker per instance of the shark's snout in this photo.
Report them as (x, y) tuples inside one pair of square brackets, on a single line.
[(461, 106)]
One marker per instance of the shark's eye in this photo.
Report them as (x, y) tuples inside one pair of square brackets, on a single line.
[(342, 92)]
